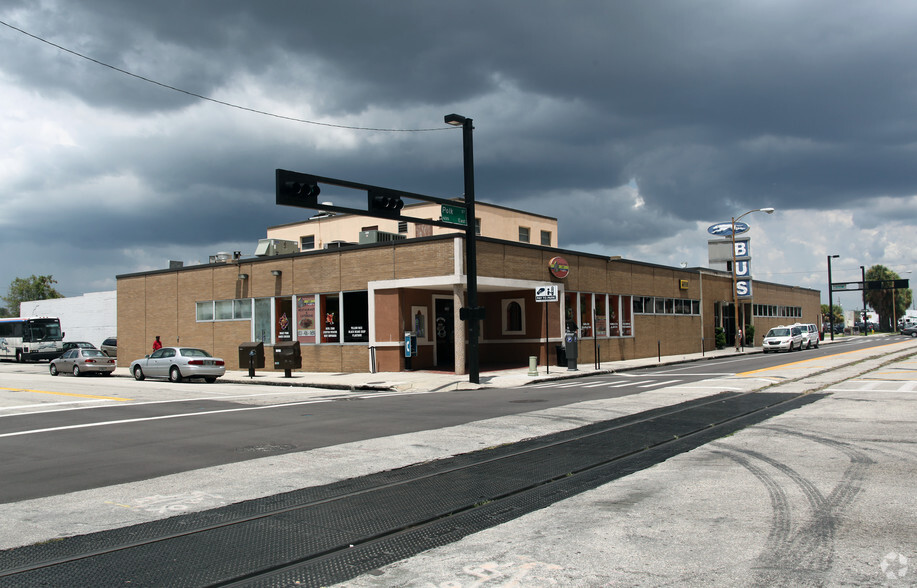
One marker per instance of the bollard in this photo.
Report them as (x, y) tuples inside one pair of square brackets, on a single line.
[(533, 365)]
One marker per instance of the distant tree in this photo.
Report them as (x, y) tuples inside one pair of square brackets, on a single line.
[(31, 288), (4, 312), (838, 314), (882, 301)]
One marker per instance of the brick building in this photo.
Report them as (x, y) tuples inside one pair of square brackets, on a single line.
[(349, 308)]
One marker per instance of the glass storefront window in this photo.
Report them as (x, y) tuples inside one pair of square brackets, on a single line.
[(356, 317), (262, 325), (627, 328), (585, 305), (614, 310), (570, 309), (331, 318), (305, 319), (601, 318)]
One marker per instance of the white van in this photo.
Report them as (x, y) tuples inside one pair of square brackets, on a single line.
[(810, 336)]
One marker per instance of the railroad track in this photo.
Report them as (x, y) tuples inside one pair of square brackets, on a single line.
[(328, 534)]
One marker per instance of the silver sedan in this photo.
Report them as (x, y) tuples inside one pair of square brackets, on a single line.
[(177, 363), (81, 361)]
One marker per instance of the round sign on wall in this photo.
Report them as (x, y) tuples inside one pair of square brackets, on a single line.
[(559, 267)]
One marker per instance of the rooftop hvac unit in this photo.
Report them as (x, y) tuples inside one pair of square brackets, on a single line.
[(338, 244), (270, 247), (221, 257), (379, 237)]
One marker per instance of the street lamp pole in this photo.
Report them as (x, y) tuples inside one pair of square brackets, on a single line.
[(830, 303), (735, 295), (471, 259), (865, 322)]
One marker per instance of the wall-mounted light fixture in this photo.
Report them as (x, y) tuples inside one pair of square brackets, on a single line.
[(276, 273), (243, 276)]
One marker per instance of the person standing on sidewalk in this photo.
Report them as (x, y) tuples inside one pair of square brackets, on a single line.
[(157, 344)]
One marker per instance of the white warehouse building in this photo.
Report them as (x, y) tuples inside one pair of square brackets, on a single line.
[(92, 317)]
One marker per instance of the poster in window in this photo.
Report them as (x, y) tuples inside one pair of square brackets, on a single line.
[(601, 319), (356, 317), (284, 327), (305, 319), (330, 318), (419, 322)]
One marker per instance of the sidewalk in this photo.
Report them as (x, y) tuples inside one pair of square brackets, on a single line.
[(429, 380)]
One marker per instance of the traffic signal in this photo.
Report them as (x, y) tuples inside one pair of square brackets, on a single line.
[(384, 203), (296, 189)]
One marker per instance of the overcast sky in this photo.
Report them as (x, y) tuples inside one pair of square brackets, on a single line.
[(637, 124)]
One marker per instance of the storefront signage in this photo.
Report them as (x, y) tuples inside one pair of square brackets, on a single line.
[(725, 229), (559, 267)]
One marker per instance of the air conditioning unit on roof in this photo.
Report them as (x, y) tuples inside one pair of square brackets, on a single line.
[(379, 237), (270, 247)]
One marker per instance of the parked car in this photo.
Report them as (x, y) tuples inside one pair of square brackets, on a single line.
[(177, 363), (910, 331), (838, 328), (68, 345), (110, 347), (783, 338), (810, 335), (79, 361)]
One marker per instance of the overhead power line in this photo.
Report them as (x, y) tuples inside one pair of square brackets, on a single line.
[(214, 100)]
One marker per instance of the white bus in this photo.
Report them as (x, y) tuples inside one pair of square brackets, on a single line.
[(31, 338)]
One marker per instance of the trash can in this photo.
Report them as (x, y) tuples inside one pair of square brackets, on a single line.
[(287, 356), (245, 350), (561, 356)]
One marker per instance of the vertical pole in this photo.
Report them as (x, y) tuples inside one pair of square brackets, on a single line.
[(735, 295), (894, 312), (830, 302), (865, 314), (471, 259), (547, 346)]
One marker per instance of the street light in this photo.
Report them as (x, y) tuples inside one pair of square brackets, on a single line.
[(735, 296), (865, 322), (472, 313), (830, 304)]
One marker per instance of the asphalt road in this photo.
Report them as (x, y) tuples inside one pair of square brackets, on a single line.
[(818, 496), (66, 434)]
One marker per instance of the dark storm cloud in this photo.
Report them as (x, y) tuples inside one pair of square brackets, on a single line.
[(705, 107)]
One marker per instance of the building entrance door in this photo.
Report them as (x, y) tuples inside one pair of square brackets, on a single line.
[(444, 330)]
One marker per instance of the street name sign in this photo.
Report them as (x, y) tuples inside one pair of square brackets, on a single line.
[(454, 214)]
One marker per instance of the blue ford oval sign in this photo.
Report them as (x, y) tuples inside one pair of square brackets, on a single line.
[(725, 229)]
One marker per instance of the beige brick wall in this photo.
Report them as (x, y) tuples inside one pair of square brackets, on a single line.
[(164, 302)]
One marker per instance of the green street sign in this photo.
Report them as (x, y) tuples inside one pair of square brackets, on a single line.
[(454, 214)]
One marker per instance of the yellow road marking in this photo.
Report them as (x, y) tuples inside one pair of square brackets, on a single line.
[(67, 394), (785, 365)]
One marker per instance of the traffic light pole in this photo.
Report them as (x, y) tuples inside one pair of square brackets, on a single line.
[(471, 254)]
